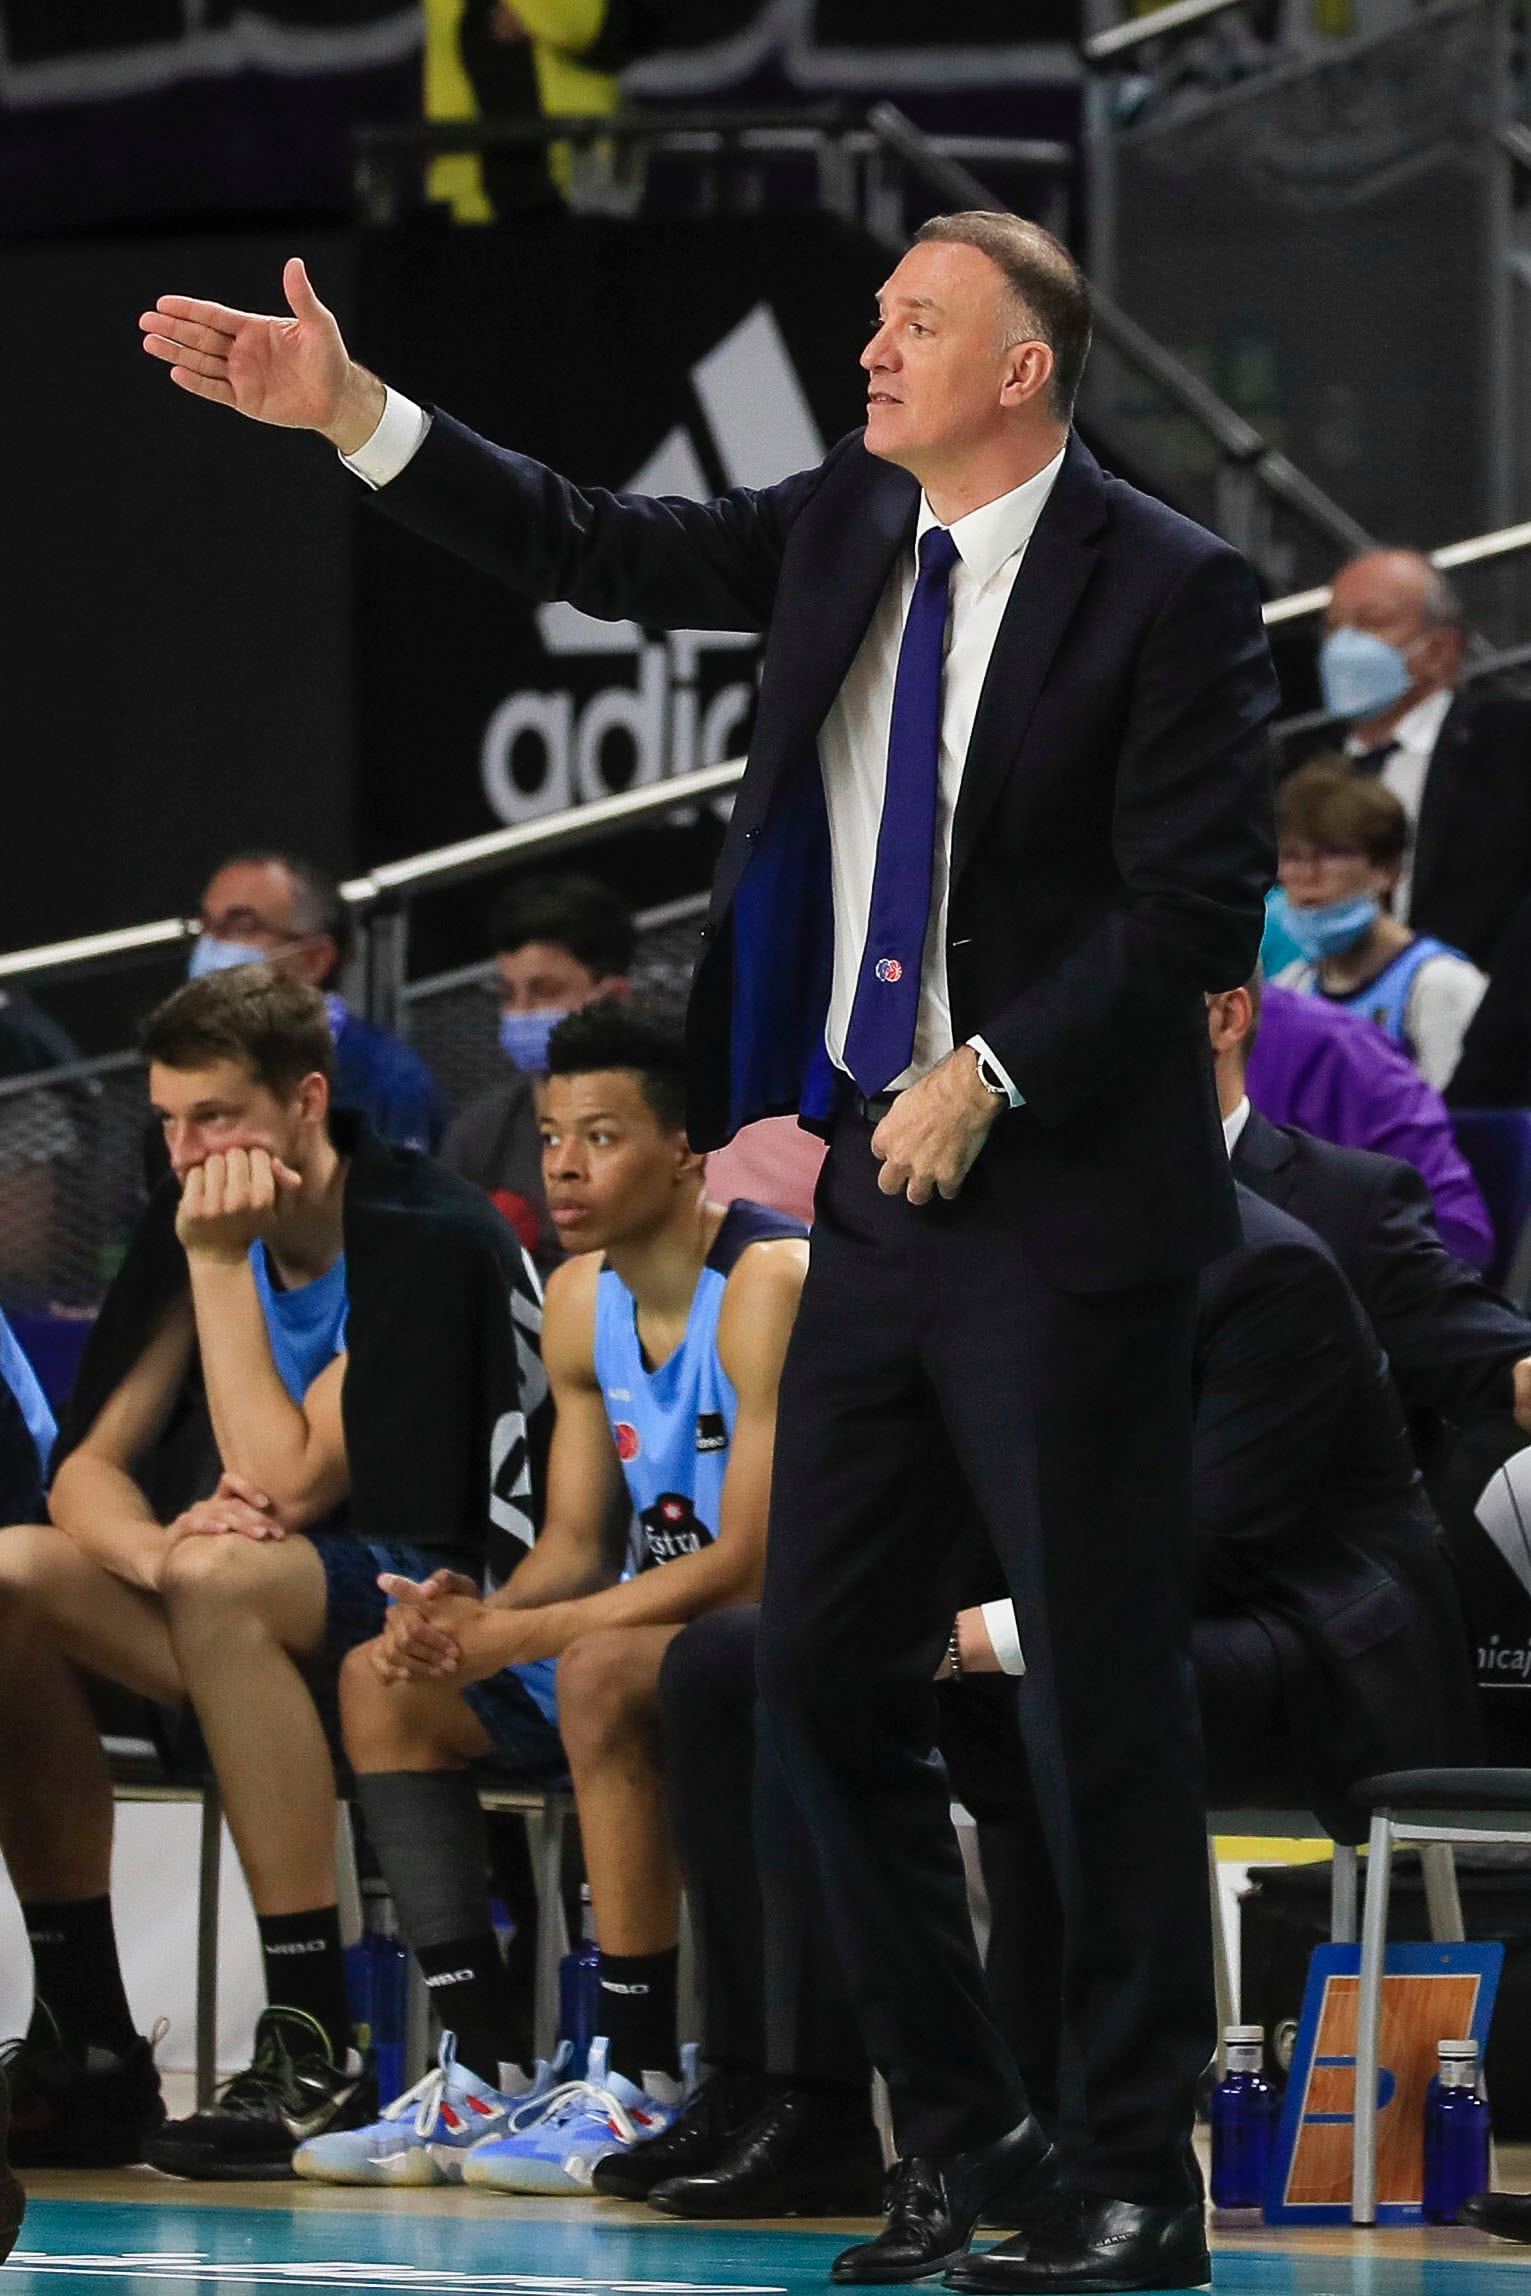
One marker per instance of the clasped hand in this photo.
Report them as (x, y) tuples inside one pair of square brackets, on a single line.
[(930, 1138), (436, 1630), (237, 1509), (235, 1196)]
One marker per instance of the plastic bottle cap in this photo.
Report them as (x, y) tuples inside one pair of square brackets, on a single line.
[(1250, 2037), (1456, 2052)]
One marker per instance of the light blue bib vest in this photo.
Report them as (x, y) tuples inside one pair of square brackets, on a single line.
[(674, 1427)]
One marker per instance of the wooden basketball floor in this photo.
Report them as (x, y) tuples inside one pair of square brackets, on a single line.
[(138, 2232)]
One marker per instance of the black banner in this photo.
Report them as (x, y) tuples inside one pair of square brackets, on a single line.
[(663, 358)]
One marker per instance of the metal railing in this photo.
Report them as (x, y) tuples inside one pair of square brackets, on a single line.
[(385, 891), (1129, 39), (867, 168)]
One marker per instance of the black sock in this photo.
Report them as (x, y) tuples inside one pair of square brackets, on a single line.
[(471, 1994), (637, 2013), (74, 1957), (305, 1969)]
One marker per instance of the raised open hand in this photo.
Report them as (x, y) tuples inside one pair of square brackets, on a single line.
[(295, 372)]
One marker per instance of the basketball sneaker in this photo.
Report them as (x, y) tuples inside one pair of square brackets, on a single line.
[(291, 2091), (424, 2136), (95, 2109), (556, 2147)]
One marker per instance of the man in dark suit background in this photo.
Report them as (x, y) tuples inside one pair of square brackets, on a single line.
[(1458, 1352), (1327, 1645), (1457, 756), (1005, 821)]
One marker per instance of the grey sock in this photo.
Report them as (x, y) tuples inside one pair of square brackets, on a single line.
[(428, 1831)]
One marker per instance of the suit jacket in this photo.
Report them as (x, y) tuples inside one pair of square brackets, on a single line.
[(1449, 1339), (1309, 1514), (1472, 846), (1112, 841), (1495, 1068)]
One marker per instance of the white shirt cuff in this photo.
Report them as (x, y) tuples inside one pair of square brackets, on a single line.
[(393, 445), (1004, 1635), (985, 1052)]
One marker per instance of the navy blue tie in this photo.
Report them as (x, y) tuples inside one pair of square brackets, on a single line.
[(879, 1042)]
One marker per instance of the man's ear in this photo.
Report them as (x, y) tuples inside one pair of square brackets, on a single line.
[(1028, 374), (314, 1097)]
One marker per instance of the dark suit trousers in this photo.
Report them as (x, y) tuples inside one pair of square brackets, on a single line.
[(930, 1372), (773, 1999)]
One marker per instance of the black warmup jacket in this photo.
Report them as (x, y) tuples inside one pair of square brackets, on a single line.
[(445, 1403)]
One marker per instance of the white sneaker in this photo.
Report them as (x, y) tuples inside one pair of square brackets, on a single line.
[(555, 2146), (425, 2136)]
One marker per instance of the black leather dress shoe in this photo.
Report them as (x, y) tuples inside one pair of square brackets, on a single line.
[(1506, 2214), (697, 2139), (933, 2205), (797, 2157), (1077, 2244)]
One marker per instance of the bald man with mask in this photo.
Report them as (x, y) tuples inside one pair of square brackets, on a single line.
[(1458, 757)]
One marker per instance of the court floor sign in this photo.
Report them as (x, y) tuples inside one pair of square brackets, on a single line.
[(1430, 1993)]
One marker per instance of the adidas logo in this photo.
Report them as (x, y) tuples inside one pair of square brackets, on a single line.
[(689, 693)]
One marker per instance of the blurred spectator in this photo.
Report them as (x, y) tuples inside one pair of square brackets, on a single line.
[(523, 60), (1328, 1072), (558, 943), (278, 909), (1495, 1068), (1344, 838), (773, 1162), (1459, 762)]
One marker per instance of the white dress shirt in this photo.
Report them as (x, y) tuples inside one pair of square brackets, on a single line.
[(1233, 1126), (853, 750), (1416, 735), (853, 742)]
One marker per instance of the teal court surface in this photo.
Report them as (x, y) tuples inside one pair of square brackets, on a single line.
[(145, 2234)]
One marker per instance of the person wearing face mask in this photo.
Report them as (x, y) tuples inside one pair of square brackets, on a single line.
[(559, 942), (1344, 843), (1456, 756), (278, 909)]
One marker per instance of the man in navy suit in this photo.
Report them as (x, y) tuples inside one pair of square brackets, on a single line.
[(1005, 821)]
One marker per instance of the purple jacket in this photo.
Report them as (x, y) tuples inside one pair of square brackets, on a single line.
[(1334, 1074)]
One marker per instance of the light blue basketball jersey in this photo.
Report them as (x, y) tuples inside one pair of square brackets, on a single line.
[(674, 1427)]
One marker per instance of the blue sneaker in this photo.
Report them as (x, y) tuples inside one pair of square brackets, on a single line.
[(555, 2147), (425, 2136)]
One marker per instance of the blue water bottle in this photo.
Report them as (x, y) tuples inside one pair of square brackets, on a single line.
[(579, 1988), (1245, 2109), (387, 1983), (1456, 2132)]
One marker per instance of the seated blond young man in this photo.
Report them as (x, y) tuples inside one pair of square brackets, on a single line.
[(663, 1341), (337, 1341)]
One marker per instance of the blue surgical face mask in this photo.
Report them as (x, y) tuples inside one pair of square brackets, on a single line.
[(210, 955), (1331, 930), (524, 1036), (1361, 674)]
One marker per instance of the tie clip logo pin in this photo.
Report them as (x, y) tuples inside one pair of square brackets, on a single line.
[(888, 969)]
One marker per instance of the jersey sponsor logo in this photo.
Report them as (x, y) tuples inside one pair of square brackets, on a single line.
[(671, 1528), (619, 1395), (629, 1441), (711, 1433)]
